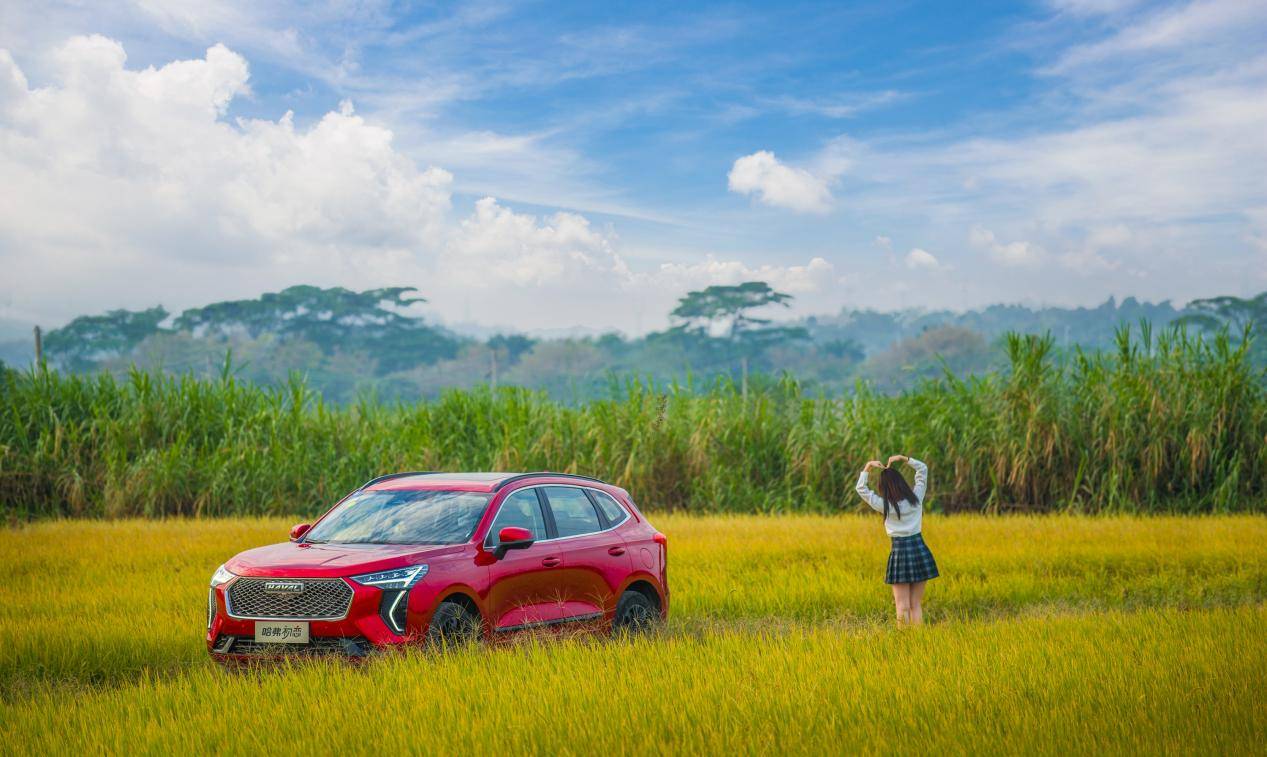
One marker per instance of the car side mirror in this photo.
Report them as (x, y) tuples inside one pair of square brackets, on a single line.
[(298, 530), (512, 537)]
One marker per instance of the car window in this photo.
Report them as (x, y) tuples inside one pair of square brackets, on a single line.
[(521, 509), (574, 514), (401, 517), (611, 509)]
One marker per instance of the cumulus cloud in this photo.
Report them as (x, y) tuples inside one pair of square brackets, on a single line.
[(779, 185), (113, 161), (130, 187), (918, 259), (496, 246), (1012, 253)]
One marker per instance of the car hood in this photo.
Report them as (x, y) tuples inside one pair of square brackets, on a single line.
[(326, 560)]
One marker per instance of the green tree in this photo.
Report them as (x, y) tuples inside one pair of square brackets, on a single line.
[(723, 316), (1243, 317), (1235, 312), (89, 339), (332, 319)]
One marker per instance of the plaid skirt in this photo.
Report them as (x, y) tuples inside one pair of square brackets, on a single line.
[(910, 561)]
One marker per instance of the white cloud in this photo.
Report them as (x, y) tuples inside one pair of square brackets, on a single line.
[(816, 276), (779, 185), (918, 259), (1149, 172), (1011, 253), (1093, 7), (846, 106), (496, 246), (1169, 27), (130, 188)]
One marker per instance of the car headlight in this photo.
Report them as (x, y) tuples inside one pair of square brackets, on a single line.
[(400, 578), (221, 577)]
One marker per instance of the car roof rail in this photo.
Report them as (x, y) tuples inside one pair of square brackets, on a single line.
[(519, 477), (390, 476)]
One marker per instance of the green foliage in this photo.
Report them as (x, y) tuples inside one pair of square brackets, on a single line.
[(348, 344), (1240, 316), (332, 322), (701, 314), (729, 306), (937, 350), (510, 347), (89, 339), (1235, 312), (1169, 422)]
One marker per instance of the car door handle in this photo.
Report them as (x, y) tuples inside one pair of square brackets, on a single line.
[(552, 562), (616, 551)]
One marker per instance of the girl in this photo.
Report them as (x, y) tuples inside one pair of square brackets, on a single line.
[(911, 565)]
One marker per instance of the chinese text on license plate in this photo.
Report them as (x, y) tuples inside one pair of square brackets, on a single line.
[(281, 633)]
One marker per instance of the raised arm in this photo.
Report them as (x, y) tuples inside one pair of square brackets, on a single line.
[(921, 478), (921, 474), (864, 491)]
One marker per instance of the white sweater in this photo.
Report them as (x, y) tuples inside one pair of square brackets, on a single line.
[(908, 523)]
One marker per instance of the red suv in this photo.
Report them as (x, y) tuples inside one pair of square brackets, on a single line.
[(444, 557)]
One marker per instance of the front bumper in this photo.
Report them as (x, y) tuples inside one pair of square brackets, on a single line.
[(362, 630)]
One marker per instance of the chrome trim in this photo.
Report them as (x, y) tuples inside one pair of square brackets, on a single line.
[(535, 542), (228, 608)]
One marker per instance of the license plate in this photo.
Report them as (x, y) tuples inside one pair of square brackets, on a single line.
[(281, 633)]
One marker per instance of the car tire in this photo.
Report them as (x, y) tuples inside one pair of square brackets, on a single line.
[(635, 613), (452, 624)]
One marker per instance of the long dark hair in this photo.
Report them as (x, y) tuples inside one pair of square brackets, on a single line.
[(894, 489)]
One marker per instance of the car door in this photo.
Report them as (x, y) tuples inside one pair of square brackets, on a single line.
[(524, 586), (594, 559)]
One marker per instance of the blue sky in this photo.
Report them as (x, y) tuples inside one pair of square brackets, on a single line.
[(548, 165)]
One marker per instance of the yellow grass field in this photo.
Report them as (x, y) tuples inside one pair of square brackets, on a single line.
[(1046, 634)]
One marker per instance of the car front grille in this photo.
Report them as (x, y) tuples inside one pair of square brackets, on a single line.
[(321, 598), (352, 646)]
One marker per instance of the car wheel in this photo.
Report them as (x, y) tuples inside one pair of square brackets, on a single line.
[(453, 624), (635, 613)]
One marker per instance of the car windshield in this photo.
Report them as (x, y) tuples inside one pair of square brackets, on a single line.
[(402, 517)]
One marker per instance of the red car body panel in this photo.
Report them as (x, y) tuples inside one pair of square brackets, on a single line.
[(565, 582)]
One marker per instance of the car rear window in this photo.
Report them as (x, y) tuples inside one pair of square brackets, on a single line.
[(574, 514), (610, 507), (402, 517)]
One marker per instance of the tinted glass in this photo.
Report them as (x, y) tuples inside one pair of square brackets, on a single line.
[(573, 513), (520, 509), (612, 509), (402, 517)]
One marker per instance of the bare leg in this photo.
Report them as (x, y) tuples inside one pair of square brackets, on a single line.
[(917, 597), (902, 601)]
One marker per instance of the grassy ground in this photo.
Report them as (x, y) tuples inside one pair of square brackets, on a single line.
[(1047, 634)]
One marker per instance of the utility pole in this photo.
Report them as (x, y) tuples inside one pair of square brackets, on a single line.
[(493, 373), (743, 362), (39, 348)]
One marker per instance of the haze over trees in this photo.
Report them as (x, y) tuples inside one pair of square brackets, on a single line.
[(347, 343)]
